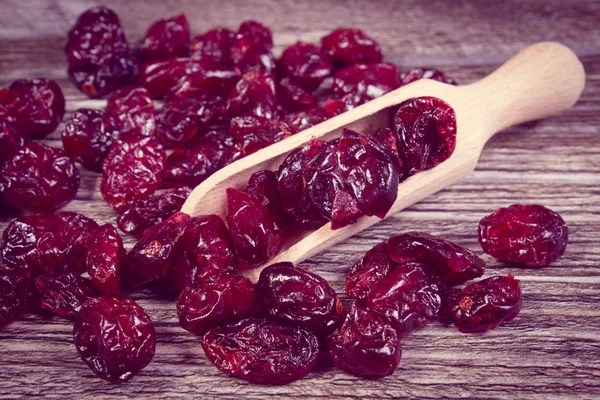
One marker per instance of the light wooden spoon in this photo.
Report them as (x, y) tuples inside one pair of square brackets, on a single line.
[(542, 80)]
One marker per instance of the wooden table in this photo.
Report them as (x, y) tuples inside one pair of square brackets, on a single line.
[(550, 351)]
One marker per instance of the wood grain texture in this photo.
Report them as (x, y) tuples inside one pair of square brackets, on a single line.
[(550, 351)]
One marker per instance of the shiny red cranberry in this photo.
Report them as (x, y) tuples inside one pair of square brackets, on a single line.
[(366, 274), (531, 235), (85, 138), (114, 337), (251, 37), (261, 351), (130, 113), (298, 121), (262, 186), (484, 305), (426, 129), (414, 74), (105, 253), (39, 178), (17, 296), (261, 61), (336, 107), (306, 65), (365, 82), (293, 98), (254, 93), (166, 38), (75, 234), (226, 298), (387, 137), (214, 45), (347, 46), (365, 346), (254, 133), (10, 141), (132, 171), (252, 228), (33, 108), (63, 295)]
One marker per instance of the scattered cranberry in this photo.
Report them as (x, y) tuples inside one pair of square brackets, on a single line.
[(86, 139), (301, 120), (105, 252), (336, 107), (75, 234), (10, 141), (389, 140), (306, 65), (255, 133), (363, 276), (261, 61), (484, 305), (365, 82), (130, 113), (531, 235), (415, 74), (293, 98), (214, 45), (114, 337), (39, 178), (262, 351), (255, 92), (262, 186), (63, 295), (226, 298), (426, 129), (33, 108), (346, 47), (16, 296), (365, 346), (166, 38), (251, 37)]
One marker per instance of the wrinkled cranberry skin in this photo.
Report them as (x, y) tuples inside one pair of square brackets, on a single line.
[(252, 228), (484, 305), (389, 140), (86, 139), (293, 98), (214, 45), (39, 178), (531, 235), (130, 113), (262, 185), (77, 229), (306, 65), (426, 130), (255, 133), (415, 74), (10, 141), (114, 337), (408, 298), (261, 61), (363, 276), (336, 107), (298, 121), (33, 108), (363, 83), (251, 37), (254, 93), (132, 171), (226, 298), (104, 79), (166, 38), (454, 263), (261, 351), (104, 255), (293, 295), (365, 346), (16, 296), (63, 295), (148, 212), (346, 47)]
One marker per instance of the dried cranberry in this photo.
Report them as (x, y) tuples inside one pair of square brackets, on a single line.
[(114, 337), (255, 133), (10, 141), (151, 257), (251, 37), (33, 108), (255, 93), (262, 186), (531, 235), (426, 129), (262, 61), (214, 45), (63, 295), (75, 235), (214, 79), (363, 276), (99, 81), (363, 83), (454, 263), (166, 38), (389, 140), (261, 351), (306, 65), (298, 121), (130, 113), (132, 170), (484, 305), (85, 138), (365, 346), (293, 98), (415, 74), (39, 178), (105, 252), (294, 295), (351, 46), (223, 299), (252, 228), (16, 296)]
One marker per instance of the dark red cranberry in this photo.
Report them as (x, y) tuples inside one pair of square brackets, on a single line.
[(261, 351), (105, 252), (454, 263), (261, 61), (214, 79), (10, 141), (99, 81), (389, 140), (16, 296), (254, 133), (414, 74), (114, 337), (254, 93), (306, 65), (63, 295), (426, 129), (252, 228), (365, 346), (75, 234), (366, 274), (151, 257), (251, 37), (85, 138), (130, 113), (298, 121), (363, 83), (336, 107), (132, 171), (484, 305), (166, 38), (346, 47), (262, 186), (226, 298), (293, 98), (294, 295), (145, 213), (39, 178), (531, 235), (214, 46)]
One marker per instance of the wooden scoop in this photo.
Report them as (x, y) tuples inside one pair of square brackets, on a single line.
[(542, 80)]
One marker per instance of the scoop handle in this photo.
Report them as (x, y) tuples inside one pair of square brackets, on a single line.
[(541, 80)]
